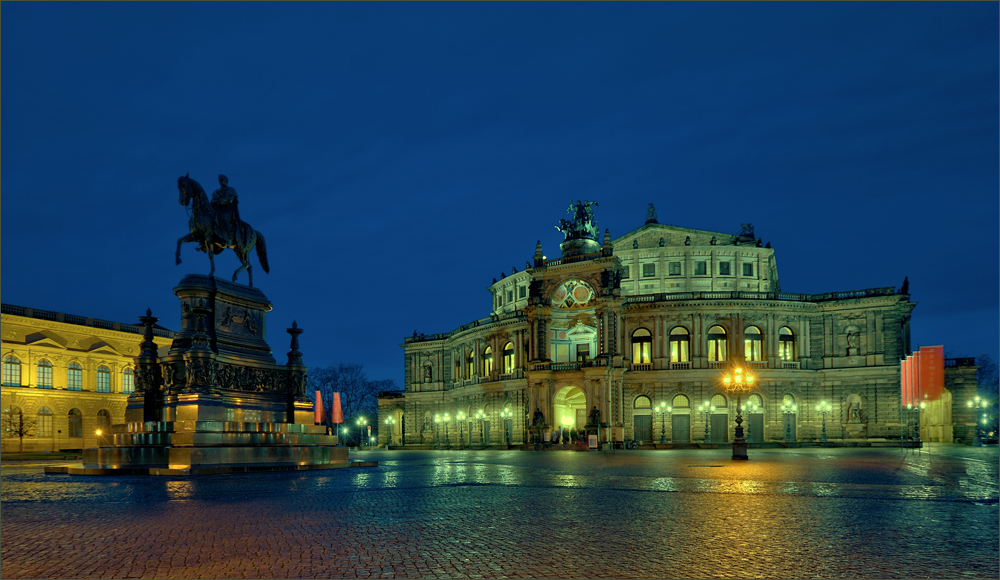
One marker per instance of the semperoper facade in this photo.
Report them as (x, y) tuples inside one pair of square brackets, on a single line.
[(629, 327)]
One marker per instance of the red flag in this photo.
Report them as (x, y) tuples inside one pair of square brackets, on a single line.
[(931, 372), (904, 382), (318, 408), (918, 382), (338, 415)]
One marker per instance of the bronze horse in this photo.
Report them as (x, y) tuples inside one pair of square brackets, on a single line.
[(202, 226)]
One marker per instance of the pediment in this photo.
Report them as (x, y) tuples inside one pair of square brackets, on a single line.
[(45, 338), (649, 236), (103, 347)]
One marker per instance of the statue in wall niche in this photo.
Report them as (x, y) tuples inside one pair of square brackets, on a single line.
[(635, 244), (539, 419), (663, 242), (594, 418), (852, 341)]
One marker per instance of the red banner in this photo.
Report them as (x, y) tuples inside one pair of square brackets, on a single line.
[(931, 372), (338, 414), (318, 408), (904, 380)]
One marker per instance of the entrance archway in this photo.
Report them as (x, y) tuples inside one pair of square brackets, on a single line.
[(569, 408)]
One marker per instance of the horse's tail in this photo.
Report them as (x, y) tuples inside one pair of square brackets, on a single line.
[(262, 252)]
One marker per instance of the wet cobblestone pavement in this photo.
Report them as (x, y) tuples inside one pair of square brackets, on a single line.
[(786, 513)]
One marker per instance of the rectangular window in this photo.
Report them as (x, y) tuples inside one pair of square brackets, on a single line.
[(748, 269), (582, 352), (724, 268), (128, 381), (510, 296), (627, 272), (12, 373), (700, 269), (674, 268), (648, 270), (520, 292)]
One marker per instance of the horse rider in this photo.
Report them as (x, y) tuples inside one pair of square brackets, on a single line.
[(227, 213)]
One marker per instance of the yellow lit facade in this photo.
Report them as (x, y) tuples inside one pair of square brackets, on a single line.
[(69, 374)]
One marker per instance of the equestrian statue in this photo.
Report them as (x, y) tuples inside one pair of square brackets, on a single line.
[(216, 225)]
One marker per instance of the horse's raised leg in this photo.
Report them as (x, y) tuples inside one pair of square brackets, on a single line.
[(183, 240)]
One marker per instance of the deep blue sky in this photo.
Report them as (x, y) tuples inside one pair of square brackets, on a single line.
[(398, 157)]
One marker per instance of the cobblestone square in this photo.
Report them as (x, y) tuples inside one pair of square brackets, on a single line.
[(786, 513)]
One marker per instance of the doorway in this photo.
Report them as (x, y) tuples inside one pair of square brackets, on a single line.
[(720, 428), (680, 428), (643, 428)]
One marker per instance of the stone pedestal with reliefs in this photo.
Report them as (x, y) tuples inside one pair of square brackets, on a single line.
[(217, 401)]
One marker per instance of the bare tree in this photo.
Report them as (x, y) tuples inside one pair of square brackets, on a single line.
[(357, 393), (987, 377), (16, 425)]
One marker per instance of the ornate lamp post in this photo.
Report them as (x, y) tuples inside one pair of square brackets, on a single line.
[(361, 422), (978, 403), (919, 408), (437, 430), (751, 408), (389, 422), (823, 408), (707, 409), (663, 408), (459, 418), (480, 416), (506, 415), (739, 382), (788, 409), (447, 440)]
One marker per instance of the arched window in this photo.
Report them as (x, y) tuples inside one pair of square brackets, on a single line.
[(753, 344), (786, 344), (44, 427), (680, 342), (508, 357), (13, 422), (103, 379), (44, 374), (75, 423), (717, 344), (680, 401), (642, 346), (470, 364), (755, 399), (11, 371), (104, 421), (642, 402), (128, 380), (719, 401), (487, 361), (74, 377)]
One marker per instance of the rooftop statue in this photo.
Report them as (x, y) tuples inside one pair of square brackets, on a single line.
[(651, 215), (216, 225), (583, 225)]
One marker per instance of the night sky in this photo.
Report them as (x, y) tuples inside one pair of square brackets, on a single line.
[(398, 157)]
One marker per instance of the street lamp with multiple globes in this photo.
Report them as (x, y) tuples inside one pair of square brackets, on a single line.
[(437, 430), (389, 422), (447, 440), (823, 408), (978, 403), (459, 418), (361, 421), (481, 416), (707, 409), (739, 382), (506, 415), (788, 409), (663, 408)]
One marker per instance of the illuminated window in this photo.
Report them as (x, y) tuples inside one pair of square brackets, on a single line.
[(679, 345), (458, 371), (44, 426), (724, 268), (788, 400), (755, 399), (717, 344), (642, 345), (753, 344), (700, 269), (648, 270), (470, 364), (13, 421), (74, 377), (44, 374), (680, 401), (11, 371), (748, 269), (104, 420), (508, 358), (786, 344), (128, 380), (719, 401), (674, 268), (642, 402), (487, 361), (103, 379), (75, 423), (582, 352)]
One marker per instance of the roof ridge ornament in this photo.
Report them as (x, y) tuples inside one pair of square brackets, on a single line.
[(651, 215)]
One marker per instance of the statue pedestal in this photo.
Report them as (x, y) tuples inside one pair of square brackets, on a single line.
[(856, 431), (217, 401)]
